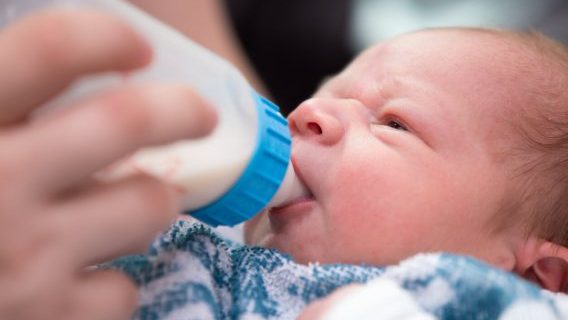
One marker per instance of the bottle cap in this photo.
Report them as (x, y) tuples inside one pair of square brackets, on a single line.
[(263, 175)]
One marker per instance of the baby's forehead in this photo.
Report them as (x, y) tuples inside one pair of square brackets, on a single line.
[(479, 43), (449, 57), (484, 60)]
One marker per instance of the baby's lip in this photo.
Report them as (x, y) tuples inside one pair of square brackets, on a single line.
[(292, 202)]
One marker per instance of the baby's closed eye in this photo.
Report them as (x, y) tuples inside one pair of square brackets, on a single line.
[(390, 122), (396, 125)]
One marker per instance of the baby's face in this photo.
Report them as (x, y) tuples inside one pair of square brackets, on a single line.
[(397, 153)]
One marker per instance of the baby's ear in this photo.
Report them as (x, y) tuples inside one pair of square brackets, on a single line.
[(544, 263)]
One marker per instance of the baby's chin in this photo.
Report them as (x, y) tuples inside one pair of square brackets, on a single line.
[(258, 232), (256, 228)]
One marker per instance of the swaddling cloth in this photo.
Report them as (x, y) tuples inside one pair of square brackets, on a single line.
[(190, 273)]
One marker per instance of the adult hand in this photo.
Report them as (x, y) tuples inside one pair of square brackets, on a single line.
[(55, 219)]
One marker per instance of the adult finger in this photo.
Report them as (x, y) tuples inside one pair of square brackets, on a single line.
[(44, 53), (79, 141), (114, 219), (36, 286), (102, 295)]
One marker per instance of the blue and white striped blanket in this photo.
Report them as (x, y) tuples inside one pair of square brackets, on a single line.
[(191, 273)]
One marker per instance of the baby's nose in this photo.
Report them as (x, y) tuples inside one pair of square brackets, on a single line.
[(312, 120)]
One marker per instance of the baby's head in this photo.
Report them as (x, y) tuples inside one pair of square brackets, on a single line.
[(443, 140)]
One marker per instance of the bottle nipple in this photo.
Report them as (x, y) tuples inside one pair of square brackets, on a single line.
[(290, 189)]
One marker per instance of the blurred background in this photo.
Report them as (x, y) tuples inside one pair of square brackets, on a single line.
[(295, 44)]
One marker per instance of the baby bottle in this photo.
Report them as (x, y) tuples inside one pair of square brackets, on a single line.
[(226, 177)]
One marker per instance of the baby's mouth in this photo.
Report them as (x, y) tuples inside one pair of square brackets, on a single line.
[(299, 194)]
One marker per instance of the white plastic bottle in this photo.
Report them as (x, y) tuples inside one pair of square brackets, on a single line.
[(227, 177)]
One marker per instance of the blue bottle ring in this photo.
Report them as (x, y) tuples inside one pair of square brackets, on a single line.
[(261, 178)]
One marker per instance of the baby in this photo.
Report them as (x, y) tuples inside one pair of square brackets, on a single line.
[(448, 140)]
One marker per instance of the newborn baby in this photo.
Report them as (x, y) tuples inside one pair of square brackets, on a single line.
[(441, 140)]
